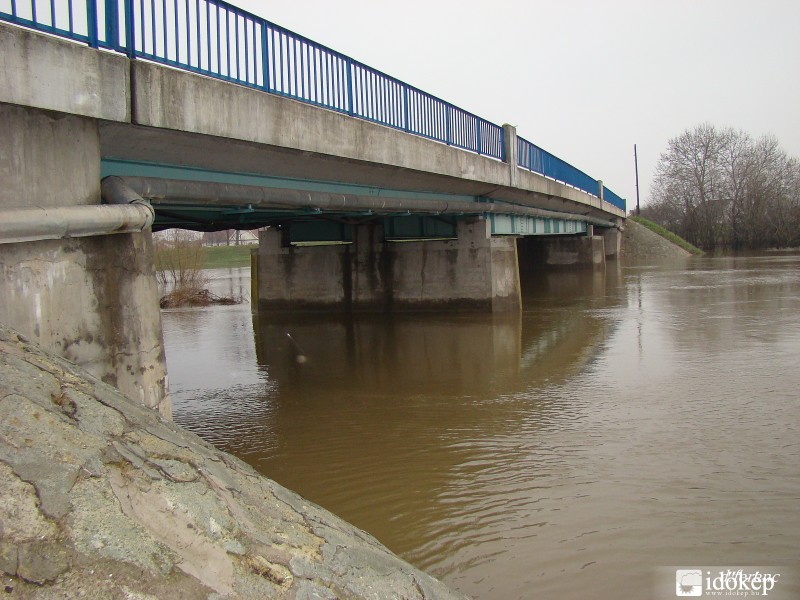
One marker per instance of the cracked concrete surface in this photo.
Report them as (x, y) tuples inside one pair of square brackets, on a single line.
[(101, 498)]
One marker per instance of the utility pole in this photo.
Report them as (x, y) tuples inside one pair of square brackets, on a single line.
[(636, 165)]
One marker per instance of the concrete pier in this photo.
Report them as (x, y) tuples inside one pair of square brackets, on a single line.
[(92, 300), (473, 272)]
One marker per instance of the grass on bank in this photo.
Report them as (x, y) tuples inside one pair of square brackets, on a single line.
[(209, 257), (218, 257), (668, 235)]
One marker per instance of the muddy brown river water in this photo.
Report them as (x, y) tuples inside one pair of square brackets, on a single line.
[(625, 424)]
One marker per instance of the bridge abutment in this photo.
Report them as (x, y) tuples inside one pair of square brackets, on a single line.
[(472, 272), (537, 254), (92, 300)]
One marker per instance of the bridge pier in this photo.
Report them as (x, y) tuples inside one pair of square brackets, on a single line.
[(92, 300), (612, 240), (472, 272)]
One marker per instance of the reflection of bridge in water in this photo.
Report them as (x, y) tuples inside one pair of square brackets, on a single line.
[(392, 416), (421, 353)]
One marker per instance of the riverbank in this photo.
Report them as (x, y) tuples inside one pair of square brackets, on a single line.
[(640, 243), (99, 497)]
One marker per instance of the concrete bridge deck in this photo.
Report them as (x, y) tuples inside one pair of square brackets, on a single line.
[(150, 116)]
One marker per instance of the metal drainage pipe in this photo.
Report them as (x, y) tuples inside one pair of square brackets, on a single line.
[(126, 212), (226, 194)]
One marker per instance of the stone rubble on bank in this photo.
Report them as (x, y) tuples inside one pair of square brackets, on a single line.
[(101, 498)]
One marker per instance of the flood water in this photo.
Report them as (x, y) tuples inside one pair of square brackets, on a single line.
[(626, 421)]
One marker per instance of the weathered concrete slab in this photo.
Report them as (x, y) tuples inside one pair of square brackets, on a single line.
[(100, 498), (45, 72), (47, 159)]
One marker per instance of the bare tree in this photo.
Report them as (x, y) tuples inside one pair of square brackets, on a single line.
[(720, 188)]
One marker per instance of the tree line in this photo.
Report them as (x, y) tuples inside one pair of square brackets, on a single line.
[(723, 189)]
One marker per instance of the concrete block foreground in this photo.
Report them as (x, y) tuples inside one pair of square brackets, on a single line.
[(101, 498)]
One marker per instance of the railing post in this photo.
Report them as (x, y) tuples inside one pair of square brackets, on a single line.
[(130, 40), (448, 133), (265, 55), (91, 21), (510, 153), (112, 24), (350, 107), (406, 109), (479, 138)]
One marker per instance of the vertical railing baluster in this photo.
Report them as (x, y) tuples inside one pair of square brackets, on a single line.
[(348, 65), (238, 49), (70, 17), (130, 32), (14, 8), (218, 23), (52, 13), (372, 88), (188, 35), (228, 41), (198, 35), (164, 26), (283, 63), (91, 21), (406, 111), (112, 24), (254, 46), (325, 66), (177, 32), (291, 64), (208, 34), (373, 80), (153, 30), (305, 84), (502, 150), (246, 48), (447, 126), (264, 56)]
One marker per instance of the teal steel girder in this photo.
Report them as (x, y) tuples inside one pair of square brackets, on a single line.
[(406, 226)]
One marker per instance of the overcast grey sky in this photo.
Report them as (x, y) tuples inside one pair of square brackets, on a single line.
[(583, 79)]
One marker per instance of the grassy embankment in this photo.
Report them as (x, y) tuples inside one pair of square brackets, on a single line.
[(209, 257), (217, 257), (668, 235)]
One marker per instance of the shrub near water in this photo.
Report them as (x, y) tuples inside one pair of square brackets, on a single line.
[(179, 260)]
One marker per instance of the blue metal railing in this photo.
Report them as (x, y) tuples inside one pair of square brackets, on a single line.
[(217, 39), (612, 198)]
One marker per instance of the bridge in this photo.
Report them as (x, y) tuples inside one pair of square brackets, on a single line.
[(124, 116)]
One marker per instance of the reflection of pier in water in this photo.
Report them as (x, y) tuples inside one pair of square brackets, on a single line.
[(400, 424), (430, 353), (393, 420)]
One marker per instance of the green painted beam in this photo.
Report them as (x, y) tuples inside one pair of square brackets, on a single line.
[(126, 168), (522, 225)]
